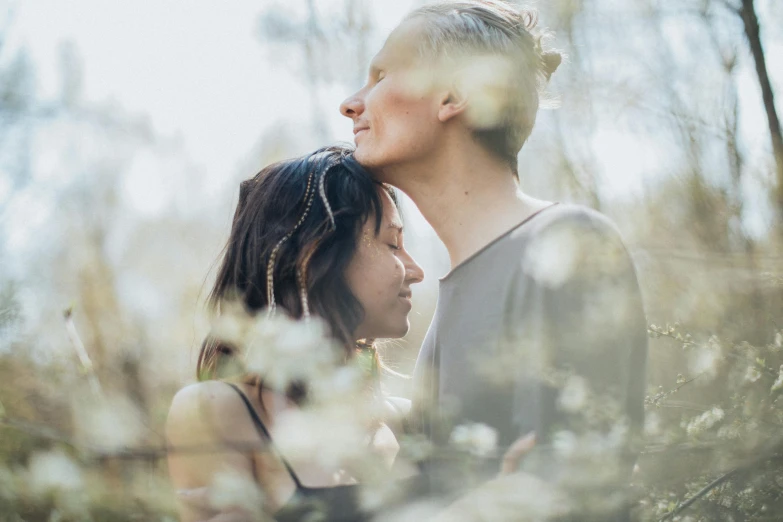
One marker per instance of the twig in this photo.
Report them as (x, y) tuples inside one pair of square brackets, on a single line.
[(706, 489), (81, 352)]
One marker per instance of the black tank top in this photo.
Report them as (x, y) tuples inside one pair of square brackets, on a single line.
[(328, 504)]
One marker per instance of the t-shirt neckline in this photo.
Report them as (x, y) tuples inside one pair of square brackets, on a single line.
[(497, 239)]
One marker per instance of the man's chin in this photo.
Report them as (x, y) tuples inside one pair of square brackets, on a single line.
[(369, 162), (361, 155)]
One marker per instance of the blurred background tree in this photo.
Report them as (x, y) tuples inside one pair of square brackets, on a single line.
[(123, 138)]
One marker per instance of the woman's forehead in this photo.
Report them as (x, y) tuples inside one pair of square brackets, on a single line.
[(391, 215)]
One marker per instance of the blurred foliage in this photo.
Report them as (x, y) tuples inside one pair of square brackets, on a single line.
[(700, 216)]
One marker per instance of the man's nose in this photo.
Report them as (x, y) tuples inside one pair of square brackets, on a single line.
[(353, 106)]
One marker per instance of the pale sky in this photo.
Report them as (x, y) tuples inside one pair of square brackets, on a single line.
[(200, 73)]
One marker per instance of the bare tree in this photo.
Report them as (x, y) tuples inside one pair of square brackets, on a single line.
[(753, 33)]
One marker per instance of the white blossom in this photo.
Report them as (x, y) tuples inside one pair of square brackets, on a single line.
[(553, 259), (476, 438), (343, 434), (232, 325), (778, 384), (485, 80), (54, 470), (284, 350), (232, 490), (564, 443), (704, 359), (574, 394), (111, 422), (752, 374), (652, 424), (705, 421)]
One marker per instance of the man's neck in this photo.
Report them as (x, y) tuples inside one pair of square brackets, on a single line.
[(468, 197)]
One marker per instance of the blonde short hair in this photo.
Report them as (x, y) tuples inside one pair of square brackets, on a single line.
[(461, 29)]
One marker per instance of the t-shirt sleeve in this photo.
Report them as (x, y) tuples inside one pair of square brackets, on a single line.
[(577, 329)]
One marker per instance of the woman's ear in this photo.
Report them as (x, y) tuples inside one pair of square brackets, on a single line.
[(453, 103)]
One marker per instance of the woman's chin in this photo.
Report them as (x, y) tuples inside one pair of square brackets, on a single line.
[(401, 330), (390, 331)]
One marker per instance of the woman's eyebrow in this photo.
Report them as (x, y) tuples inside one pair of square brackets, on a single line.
[(396, 225)]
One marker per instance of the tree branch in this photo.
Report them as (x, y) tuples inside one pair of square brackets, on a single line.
[(753, 33)]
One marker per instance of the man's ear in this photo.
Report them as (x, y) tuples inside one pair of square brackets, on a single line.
[(453, 103)]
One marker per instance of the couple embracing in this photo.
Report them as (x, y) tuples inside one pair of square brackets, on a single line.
[(538, 338)]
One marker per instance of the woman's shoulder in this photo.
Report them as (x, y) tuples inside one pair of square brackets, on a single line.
[(205, 397), (208, 410), (395, 414)]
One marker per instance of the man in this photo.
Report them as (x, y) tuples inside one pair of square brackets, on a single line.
[(539, 326)]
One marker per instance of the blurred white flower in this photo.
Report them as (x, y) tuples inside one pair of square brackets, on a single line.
[(232, 490), (476, 438), (54, 471), (730, 432), (752, 374), (564, 443), (284, 350), (778, 384), (574, 394), (343, 434), (344, 383), (704, 359), (779, 339), (553, 259), (232, 325), (111, 422), (485, 81), (617, 436), (381, 492), (652, 424), (415, 448), (705, 421), (513, 497)]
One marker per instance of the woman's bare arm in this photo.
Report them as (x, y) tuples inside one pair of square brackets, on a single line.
[(212, 442)]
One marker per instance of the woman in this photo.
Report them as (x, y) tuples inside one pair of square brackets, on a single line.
[(312, 237)]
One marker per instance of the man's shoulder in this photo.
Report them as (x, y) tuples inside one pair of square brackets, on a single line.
[(569, 242), (568, 216)]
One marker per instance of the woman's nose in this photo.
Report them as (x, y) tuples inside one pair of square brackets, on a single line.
[(353, 106), (413, 272)]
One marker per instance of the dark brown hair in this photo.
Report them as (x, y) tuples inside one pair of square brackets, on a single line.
[(270, 205)]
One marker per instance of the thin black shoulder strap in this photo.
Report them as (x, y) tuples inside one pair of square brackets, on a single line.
[(265, 433)]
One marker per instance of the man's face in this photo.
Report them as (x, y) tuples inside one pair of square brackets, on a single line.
[(395, 115)]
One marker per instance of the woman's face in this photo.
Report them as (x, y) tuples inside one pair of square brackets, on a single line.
[(380, 275)]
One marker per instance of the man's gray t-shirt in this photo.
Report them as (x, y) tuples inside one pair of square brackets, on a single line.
[(542, 330)]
